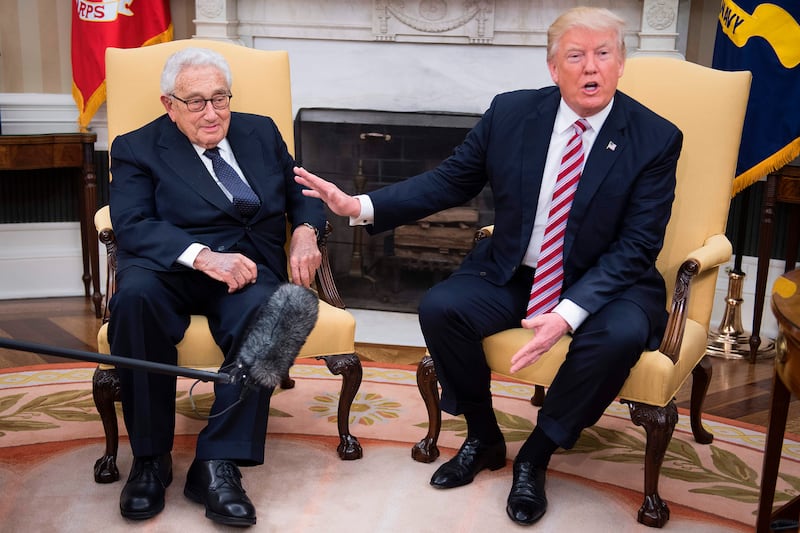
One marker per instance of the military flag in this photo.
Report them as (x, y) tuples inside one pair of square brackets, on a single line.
[(99, 24), (764, 38)]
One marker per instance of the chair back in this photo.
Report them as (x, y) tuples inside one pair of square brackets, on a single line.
[(261, 84), (708, 106)]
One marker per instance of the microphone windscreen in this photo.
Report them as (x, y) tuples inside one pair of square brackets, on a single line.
[(276, 334)]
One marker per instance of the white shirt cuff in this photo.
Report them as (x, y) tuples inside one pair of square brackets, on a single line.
[(572, 313), (190, 254), (367, 215)]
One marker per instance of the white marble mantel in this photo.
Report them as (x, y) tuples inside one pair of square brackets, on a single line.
[(411, 55)]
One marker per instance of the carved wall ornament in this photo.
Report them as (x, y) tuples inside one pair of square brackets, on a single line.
[(470, 19), (210, 9), (661, 16)]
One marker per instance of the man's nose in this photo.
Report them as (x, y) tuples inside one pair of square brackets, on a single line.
[(208, 110), (591, 63)]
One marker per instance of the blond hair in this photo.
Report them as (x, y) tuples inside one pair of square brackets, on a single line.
[(590, 18)]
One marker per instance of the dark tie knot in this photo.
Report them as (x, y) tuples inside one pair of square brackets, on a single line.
[(212, 153)]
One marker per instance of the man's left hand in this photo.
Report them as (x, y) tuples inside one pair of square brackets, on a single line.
[(304, 256), (547, 328)]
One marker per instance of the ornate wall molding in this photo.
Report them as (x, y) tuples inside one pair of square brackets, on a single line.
[(28, 113), (469, 21), (652, 25)]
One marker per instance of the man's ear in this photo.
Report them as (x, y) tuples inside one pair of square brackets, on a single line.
[(167, 102), (553, 68)]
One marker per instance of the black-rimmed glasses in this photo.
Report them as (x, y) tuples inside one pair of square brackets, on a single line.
[(197, 104)]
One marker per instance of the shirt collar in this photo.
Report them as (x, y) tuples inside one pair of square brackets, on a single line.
[(224, 147), (566, 117)]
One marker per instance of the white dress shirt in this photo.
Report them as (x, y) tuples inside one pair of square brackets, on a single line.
[(190, 254)]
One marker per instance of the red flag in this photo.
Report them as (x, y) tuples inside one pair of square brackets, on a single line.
[(99, 24)]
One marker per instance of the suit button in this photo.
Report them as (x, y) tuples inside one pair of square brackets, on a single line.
[(483, 274), (220, 248)]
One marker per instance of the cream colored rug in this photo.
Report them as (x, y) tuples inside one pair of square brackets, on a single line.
[(50, 436)]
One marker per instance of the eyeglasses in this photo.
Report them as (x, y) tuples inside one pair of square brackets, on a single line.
[(195, 105)]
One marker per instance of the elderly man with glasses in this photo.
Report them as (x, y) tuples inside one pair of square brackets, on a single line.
[(199, 201)]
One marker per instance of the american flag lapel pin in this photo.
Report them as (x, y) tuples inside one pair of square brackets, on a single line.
[(611, 146)]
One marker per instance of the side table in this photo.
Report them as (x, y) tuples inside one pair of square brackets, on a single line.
[(783, 186), (73, 150), (786, 381)]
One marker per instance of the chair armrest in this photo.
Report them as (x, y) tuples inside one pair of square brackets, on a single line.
[(102, 220), (105, 233), (325, 283), (715, 251), (484, 232)]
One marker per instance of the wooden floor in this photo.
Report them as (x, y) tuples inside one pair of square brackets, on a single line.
[(739, 390)]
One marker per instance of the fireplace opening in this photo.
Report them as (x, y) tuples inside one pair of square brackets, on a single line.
[(362, 150)]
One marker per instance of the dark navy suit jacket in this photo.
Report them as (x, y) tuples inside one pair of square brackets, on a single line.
[(163, 197), (616, 225)]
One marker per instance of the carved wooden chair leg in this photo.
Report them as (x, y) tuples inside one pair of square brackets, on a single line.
[(426, 450), (701, 377), (105, 390), (287, 383), (658, 423), (349, 367), (538, 396)]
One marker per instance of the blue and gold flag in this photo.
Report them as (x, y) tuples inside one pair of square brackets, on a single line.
[(764, 38)]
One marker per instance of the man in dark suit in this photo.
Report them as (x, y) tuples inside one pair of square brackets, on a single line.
[(607, 293), (200, 199)]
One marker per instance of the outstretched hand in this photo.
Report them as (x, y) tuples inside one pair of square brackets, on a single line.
[(548, 328), (340, 203)]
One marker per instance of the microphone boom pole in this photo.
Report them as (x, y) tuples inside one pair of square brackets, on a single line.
[(136, 364)]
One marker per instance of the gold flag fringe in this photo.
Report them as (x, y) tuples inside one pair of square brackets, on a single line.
[(774, 162), (86, 110)]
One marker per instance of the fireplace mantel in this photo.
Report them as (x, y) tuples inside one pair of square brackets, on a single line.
[(445, 55), (654, 26)]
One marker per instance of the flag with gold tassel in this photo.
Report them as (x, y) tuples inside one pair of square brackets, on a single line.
[(764, 38), (99, 24)]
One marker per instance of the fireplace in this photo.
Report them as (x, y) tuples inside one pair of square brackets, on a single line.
[(362, 150)]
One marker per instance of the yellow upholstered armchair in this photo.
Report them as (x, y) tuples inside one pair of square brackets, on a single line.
[(708, 106), (260, 85)]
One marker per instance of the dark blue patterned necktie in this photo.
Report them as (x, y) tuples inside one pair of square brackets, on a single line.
[(244, 198)]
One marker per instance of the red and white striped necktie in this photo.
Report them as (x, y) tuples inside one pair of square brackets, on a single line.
[(549, 273)]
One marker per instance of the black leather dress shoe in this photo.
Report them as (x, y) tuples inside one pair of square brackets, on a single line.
[(527, 502), (217, 484), (143, 495), (472, 457)]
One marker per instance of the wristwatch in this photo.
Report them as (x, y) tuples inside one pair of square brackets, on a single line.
[(313, 227)]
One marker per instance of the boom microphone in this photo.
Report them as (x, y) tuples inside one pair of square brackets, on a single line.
[(269, 347), (275, 336)]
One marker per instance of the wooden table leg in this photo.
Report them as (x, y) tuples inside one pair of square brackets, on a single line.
[(792, 237), (779, 409), (766, 232), (91, 259)]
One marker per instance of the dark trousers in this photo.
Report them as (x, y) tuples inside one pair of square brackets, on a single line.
[(149, 315), (459, 312)]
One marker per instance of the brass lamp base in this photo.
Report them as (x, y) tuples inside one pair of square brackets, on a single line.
[(738, 347), (730, 341)]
